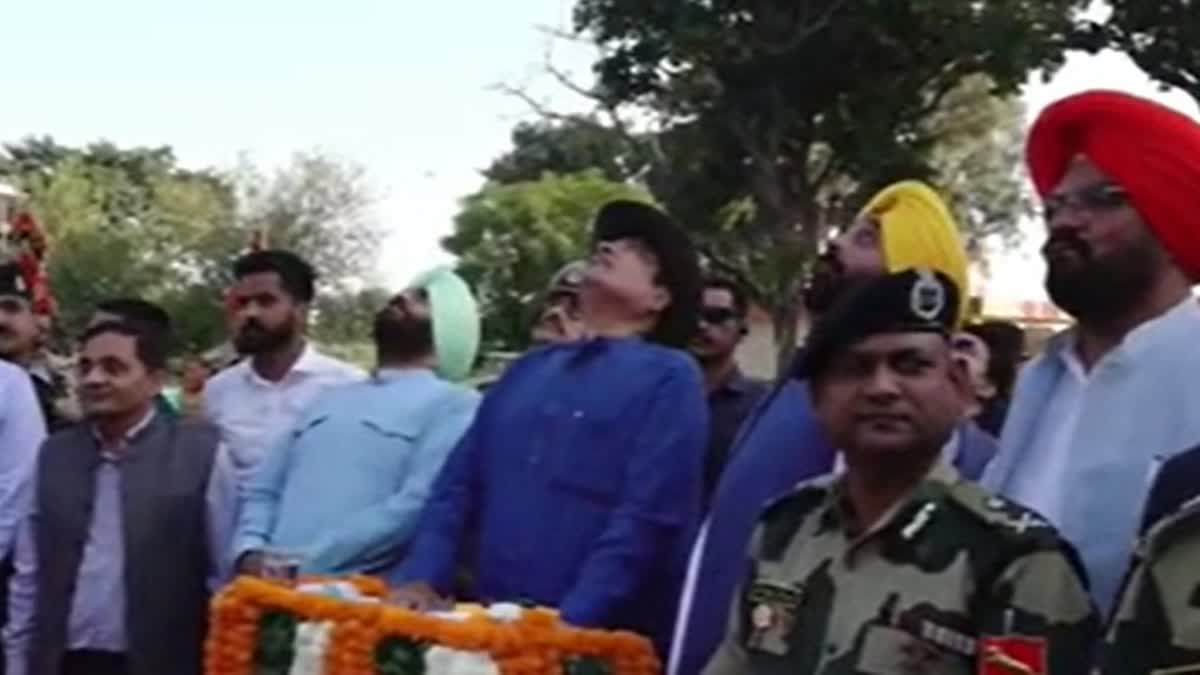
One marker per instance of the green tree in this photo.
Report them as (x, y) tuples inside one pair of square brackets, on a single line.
[(794, 110), (347, 317), (1162, 37), (132, 222), (319, 206), (510, 239), (568, 145), (122, 223)]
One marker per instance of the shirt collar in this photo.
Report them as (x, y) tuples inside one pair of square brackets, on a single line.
[(737, 382), (309, 362), (389, 375), (940, 476), (1141, 340), (110, 454)]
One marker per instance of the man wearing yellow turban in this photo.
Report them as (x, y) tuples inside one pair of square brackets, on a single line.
[(906, 225)]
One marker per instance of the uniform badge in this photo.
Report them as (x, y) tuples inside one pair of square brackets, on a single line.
[(773, 609), (1012, 655), (927, 298)]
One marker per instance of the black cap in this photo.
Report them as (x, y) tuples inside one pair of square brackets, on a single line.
[(12, 282), (917, 300), (679, 267)]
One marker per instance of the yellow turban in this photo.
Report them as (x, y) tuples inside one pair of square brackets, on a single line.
[(919, 231)]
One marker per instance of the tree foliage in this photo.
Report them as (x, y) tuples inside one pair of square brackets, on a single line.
[(132, 222), (775, 117), (564, 146), (512, 238), (1162, 37)]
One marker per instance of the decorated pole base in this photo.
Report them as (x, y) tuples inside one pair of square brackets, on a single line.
[(260, 627)]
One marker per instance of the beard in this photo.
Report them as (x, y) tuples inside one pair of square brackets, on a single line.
[(1095, 289), (828, 283), (255, 338), (401, 337)]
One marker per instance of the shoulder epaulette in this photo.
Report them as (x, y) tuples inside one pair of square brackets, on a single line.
[(802, 498), (1176, 525), (782, 517), (999, 513)]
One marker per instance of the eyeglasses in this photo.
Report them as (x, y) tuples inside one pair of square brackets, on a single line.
[(714, 316), (1093, 199)]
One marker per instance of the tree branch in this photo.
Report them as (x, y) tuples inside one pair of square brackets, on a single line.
[(803, 27), (727, 268), (539, 108)]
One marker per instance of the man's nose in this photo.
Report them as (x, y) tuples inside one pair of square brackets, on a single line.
[(1067, 216), (882, 383)]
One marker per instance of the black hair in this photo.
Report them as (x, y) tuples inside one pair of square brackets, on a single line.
[(297, 276), (149, 342), (136, 310), (741, 301), (1006, 347)]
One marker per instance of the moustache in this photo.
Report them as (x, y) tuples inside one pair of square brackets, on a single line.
[(1069, 241), (252, 326)]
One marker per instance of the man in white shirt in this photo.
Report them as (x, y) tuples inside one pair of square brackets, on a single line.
[(1096, 414), (22, 431), (255, 402)]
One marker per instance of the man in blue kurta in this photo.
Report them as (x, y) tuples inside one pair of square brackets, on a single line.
[(343, 490), (579, 481), (905, 226)]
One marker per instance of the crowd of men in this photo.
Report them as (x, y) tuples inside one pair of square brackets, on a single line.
[(897, 501)]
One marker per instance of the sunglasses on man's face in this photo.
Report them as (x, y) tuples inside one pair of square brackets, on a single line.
[(715, 316), (1091, 199)]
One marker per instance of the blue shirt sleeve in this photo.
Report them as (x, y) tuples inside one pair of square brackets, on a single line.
[(659, 502), (434, 552), (378, 531)]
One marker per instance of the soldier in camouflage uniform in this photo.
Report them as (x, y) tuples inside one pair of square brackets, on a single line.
[(899, 566), (1155, 629)]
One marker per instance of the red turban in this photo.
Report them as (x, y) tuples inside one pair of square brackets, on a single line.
[(1151, 151)]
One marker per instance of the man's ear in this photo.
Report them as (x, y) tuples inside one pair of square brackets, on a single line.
[(960, 378)]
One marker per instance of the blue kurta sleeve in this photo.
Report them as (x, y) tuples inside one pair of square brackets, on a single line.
[(659, 502), (439, 534)]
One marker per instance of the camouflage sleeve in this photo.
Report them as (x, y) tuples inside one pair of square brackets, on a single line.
[(1040, 597), (731, 657), (1157, 621)]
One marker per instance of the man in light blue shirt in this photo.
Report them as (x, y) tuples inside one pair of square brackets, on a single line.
[(342, 490)]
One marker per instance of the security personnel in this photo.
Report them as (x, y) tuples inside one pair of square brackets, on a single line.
[(1155, 628), (899, 565)]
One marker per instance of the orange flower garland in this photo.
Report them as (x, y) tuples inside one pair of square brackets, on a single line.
[(534, 644)]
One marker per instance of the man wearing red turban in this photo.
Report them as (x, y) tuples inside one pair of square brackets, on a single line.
[(1094, 416)]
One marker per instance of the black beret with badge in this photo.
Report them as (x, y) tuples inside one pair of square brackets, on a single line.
[(679, 266), (917, 300)]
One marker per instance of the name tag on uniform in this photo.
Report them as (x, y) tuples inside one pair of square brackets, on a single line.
[(772, 615)]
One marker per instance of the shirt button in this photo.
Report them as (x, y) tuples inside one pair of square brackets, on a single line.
[(534, 460), (578, 414)]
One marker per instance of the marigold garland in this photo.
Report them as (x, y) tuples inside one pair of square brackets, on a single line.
[(535, 644)]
